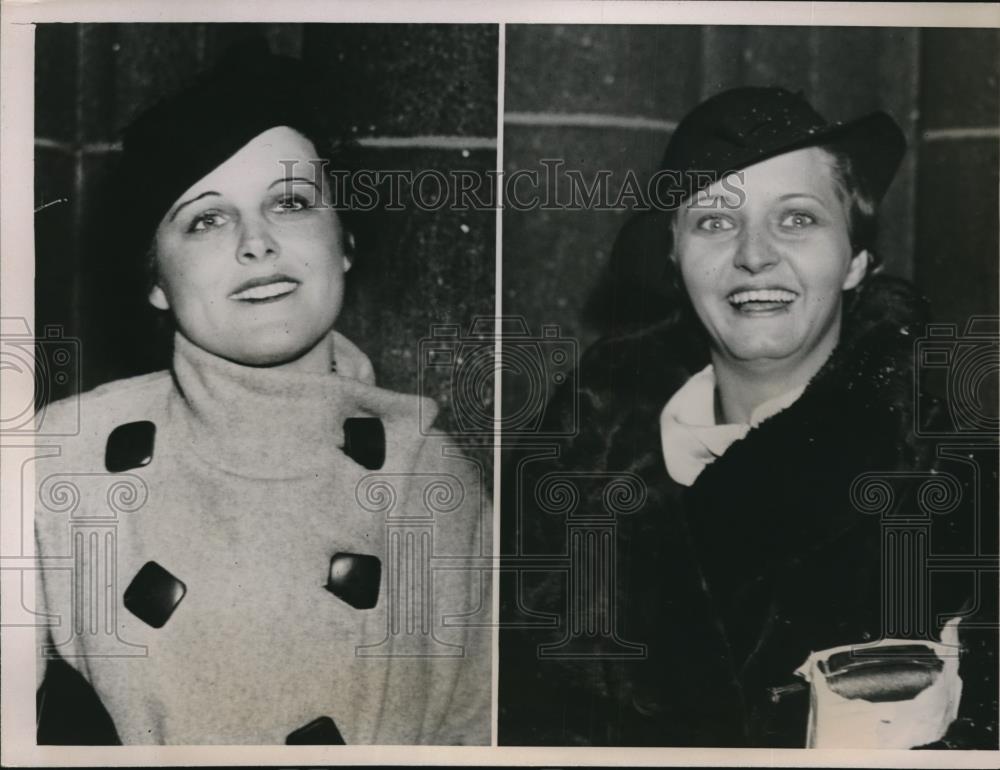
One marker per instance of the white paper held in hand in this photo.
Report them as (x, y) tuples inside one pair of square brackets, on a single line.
[(894, 694)]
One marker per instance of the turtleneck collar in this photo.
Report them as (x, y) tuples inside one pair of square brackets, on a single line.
[(272, 423)]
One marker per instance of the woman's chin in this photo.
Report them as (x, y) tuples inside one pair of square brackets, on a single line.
[(270, 358), (761, 353), (288, 355)]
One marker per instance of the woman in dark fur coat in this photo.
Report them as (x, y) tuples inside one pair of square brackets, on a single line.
[(785, 494)]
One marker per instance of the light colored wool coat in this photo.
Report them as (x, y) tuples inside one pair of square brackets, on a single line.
[(246, 498)]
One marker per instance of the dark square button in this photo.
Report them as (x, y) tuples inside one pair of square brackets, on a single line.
[(364, 441), (153, 594), (355, 577), (130, 446), (320, 732)]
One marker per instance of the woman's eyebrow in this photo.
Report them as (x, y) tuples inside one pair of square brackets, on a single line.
[(816, 198), (185, 203), (288, 179), (709, 202)]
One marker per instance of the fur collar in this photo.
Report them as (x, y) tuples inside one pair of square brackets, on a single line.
[(855, 416), (641, 369)]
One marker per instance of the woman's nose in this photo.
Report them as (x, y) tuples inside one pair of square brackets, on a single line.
[(755, 253), (256, 243)]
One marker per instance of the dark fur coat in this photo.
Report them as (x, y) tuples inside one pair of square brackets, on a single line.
[(729, 584)]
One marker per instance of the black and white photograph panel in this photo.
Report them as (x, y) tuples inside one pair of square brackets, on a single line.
[(260, 522), (749, 479)]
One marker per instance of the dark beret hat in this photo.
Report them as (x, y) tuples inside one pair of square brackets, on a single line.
[(178, 141), (742, 126), (725, 133)]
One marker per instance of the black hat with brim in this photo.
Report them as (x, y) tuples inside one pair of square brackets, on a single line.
[(726, 133), (743, 126)]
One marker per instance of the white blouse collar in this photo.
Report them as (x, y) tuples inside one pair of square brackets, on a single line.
[(689, 435)]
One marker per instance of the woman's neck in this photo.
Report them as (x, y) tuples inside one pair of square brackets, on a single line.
[(275, 422), (742, 386), (319, 359)]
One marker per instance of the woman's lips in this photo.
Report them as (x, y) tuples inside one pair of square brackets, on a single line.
[(760, 301), (265, 292)]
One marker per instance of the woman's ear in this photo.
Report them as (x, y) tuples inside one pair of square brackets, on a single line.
[(158, 299), (857, 269)]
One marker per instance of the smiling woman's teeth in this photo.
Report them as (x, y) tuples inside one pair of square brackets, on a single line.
[(762, 295), (266, 291)]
